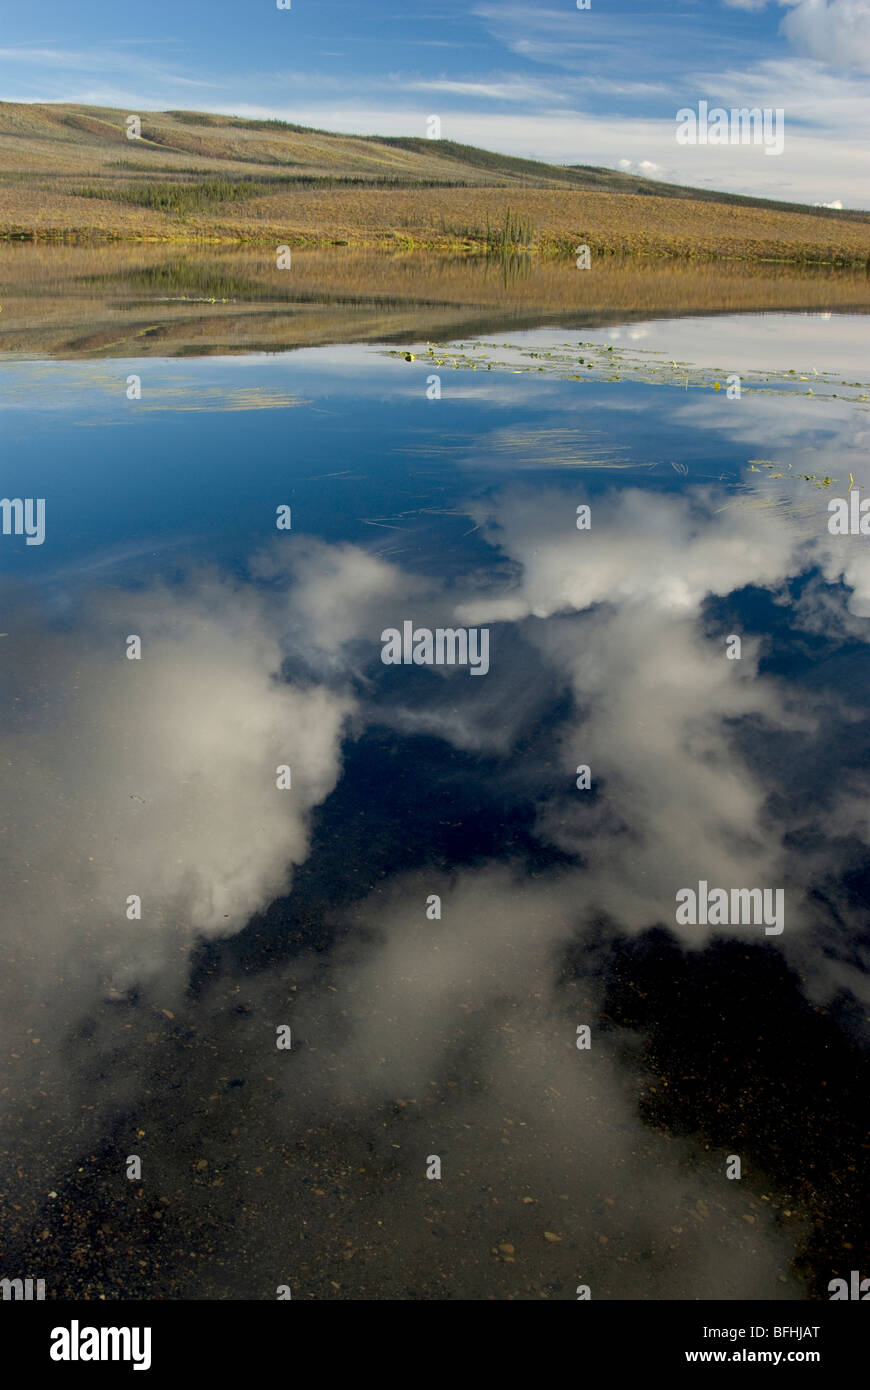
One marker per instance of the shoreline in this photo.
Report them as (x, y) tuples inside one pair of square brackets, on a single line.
[(549, 250)]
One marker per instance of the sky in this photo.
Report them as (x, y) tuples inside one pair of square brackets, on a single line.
[(546, 80)]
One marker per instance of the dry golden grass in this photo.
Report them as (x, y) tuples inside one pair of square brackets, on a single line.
[(50, 156), (609, 223), (606, 222)]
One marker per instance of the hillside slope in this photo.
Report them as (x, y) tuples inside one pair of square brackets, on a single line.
[(70, 172)]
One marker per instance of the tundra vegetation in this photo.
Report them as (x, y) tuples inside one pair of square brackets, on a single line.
[(71, 173)]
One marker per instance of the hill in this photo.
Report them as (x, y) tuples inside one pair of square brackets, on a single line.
[(70, 172)]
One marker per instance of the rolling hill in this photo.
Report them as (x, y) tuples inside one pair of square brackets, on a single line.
[(70, 172)]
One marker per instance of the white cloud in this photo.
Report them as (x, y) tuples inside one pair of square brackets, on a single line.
[(157, 778), (657, 707), (834, 31)]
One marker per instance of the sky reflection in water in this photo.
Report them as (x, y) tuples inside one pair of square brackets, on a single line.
[(412, 1036)]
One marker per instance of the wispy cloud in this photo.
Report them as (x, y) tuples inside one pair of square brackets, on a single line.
[(514, 89), (28, 57)]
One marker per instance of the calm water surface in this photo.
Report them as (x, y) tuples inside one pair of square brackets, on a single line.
[(465, 872)]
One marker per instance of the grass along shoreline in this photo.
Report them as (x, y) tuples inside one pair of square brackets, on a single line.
[(548, 246)]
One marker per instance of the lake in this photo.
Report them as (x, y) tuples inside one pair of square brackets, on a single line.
[(405, 973)]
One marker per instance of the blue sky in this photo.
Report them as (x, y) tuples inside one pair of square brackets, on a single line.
[(597, 86)]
